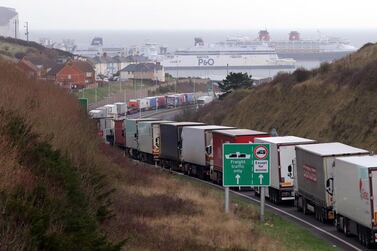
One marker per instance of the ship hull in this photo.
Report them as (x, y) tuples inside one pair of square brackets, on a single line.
[(257, 61), (320, 56), (252, 67)]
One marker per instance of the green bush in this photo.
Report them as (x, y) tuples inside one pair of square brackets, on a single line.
[(62, 220)]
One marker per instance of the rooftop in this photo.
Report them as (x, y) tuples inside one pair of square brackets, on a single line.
[(157, 122), (363, 161), (286, 140), (209, 127), (143, 119), (142, 67), (241, 132), (331, 149), (184, 123), (83, 65)]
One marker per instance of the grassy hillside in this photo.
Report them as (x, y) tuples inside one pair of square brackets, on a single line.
[(61, 189), (18, 48), (336, 102)]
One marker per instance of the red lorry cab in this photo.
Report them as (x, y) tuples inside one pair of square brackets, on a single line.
[(231, 136), (133, 103), (119, 135), (161, 101)]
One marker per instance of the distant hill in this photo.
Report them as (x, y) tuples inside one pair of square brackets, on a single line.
[(336, 102), (12, 49)]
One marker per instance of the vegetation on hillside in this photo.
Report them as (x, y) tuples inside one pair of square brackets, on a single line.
[(18, 48), (235, 80), (184, 85), (336, 102), (61, 189)]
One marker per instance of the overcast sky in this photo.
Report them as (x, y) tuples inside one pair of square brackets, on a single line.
[(196, 14)]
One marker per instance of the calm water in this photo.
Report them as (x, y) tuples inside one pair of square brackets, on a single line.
[(183, 39)]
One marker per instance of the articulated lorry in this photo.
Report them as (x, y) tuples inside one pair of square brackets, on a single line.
[(282, 156), (355, 186), (315, 177)]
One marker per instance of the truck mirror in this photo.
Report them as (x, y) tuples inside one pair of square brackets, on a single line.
[(209, 149), (289, 169)]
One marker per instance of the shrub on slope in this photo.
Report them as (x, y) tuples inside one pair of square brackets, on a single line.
[(53, 196)]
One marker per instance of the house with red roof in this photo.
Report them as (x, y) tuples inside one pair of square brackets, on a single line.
[(74, 74), (29, 69)]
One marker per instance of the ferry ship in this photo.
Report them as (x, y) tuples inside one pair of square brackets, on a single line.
[(228, 54), (324, 48)]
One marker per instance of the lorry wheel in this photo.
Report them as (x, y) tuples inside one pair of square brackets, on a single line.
[(337, 224), (359, 235), (297, 204), (317, 214), (345, 227), (367, 239), (363, 241), (304, 206), (272, 196), (256, 193), (323, 216)]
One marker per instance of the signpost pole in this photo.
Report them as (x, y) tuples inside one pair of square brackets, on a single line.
[(262, 202), (226, 199)]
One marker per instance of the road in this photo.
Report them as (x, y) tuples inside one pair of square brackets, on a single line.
[(288, 212), (163, 114)]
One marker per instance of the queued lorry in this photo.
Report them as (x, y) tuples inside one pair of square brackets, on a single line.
[(171, 143), (315, 177), (197, 160), (229, 136), (149, 140), (355, 186), (132, 142), (119, 132), (121, 108), (282, 157)]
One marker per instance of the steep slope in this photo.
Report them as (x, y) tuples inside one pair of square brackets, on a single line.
[(53, 192), (336, 102)]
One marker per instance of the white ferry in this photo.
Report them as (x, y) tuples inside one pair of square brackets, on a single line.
[(228, 54)]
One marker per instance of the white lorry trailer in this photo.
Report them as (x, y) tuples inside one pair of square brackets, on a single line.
[(355, 186), (149, 140), (315, 176), (197, 160), (121, 108), (282, 155), (132, 142)]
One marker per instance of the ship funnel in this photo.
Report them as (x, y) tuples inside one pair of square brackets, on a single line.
[(294, 36), (199, 41), (263, 35)]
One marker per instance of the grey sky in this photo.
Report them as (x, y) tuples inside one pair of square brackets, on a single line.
[(196, 14)]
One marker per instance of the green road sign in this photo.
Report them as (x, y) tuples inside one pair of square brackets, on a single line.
[(246, 165), (84, 103)]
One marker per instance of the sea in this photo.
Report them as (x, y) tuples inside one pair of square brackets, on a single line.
[(180, 39)]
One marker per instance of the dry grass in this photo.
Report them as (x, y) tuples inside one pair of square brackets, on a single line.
[(163, 213)]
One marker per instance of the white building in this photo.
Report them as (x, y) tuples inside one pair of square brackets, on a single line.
[(9, 24), (145, 71), (108, 66)]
